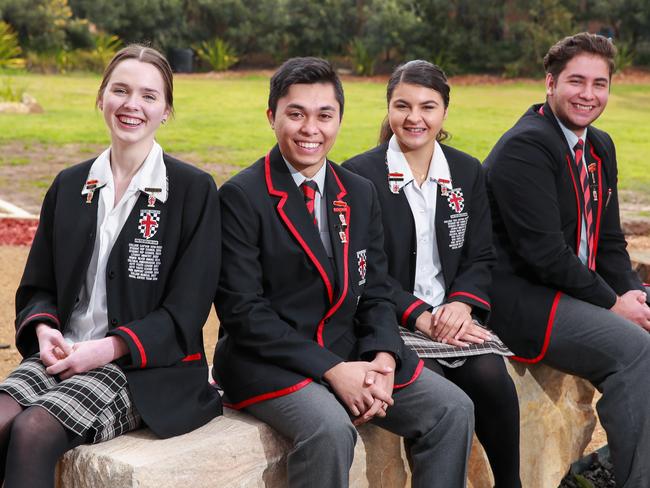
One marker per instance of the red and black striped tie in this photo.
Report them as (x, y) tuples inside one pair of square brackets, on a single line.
[(309, 189), (586, 193)]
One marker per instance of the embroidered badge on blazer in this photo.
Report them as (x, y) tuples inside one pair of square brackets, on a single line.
[(361, 266), (148, 223), (456, 200)]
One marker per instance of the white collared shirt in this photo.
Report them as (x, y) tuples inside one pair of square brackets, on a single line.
[(320, 210), (429, 280), (89, 319), (572, 140)]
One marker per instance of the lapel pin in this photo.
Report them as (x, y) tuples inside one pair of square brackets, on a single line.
[(151, 200), (90, 187), (89, 196), (344, 224), (395, 181), (343, 237)]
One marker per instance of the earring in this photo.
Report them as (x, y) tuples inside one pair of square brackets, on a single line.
[(163, 121)]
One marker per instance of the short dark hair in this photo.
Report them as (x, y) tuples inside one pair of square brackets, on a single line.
[(144, 54), (422, 73), (565, 50), (307, 70)]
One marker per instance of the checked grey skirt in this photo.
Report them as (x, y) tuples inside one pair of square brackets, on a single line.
[(451, 356), (95, 405)]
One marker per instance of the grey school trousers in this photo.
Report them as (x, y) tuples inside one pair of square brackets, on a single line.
[(434, 415), (614, 355)]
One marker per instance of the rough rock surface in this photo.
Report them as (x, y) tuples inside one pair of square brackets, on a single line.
[(239, 451)]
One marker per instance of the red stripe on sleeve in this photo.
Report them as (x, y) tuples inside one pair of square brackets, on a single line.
[(409, 311), (470, 295), (143, 355)]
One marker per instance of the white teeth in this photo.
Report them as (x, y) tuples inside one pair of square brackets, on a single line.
[(130, 120), (584, 107), (308, 145), (415, 129)]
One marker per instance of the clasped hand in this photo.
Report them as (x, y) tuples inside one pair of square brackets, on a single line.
[(452, 323), (365, 388), (632, 306), (66, 360)]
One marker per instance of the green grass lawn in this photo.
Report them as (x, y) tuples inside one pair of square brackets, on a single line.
[(223, 120)]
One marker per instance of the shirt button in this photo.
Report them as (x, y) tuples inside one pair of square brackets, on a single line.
[(113, 321), (111, 274)]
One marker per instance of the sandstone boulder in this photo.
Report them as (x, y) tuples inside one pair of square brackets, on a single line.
[(236, 450)]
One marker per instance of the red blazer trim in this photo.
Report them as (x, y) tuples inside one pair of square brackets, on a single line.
[(192, 357), (470, 295), (575, 189), (407, 313), (292, 228), (415, 376), (547, 335), (646, 284), (600, 203), (346, 245), (269, 396), (143, 355), (42, 314)]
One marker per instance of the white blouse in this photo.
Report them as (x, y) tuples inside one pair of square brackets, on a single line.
[(429, 280), (89, 319)]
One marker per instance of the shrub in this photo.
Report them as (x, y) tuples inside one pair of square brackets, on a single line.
[(9, 92), (10, 52), (362, 59), (217, 53)]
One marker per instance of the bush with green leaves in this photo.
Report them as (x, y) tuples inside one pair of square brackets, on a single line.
[(10, 92), (362, 59), (10, 52), (217, 53)]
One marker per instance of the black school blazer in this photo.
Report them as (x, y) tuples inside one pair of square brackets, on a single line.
[(160, 319), (288, 312), (466, 260), (533, 187)]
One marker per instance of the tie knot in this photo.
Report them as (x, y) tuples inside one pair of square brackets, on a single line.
[(309, 188), (578, 145)]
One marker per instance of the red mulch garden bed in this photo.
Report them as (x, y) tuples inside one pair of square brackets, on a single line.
[(17, 232)]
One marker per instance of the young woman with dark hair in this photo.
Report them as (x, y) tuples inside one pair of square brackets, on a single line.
[(439, 247)]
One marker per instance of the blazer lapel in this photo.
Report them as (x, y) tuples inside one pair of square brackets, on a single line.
[(293, 212), (443, 213), (338, 216)]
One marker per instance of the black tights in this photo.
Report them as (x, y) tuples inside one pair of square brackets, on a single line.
[(487, 382), (31, 443)]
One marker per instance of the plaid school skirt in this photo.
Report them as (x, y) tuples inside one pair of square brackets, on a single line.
[(95, 405), (451, 356)]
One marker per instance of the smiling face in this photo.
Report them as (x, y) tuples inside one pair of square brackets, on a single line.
[(416, 114), (306, 122), (134, 103), (579, 94)]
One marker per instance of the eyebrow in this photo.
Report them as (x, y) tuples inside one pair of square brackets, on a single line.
[(120, 83), (324, 108), (426, 102), (581, 77)]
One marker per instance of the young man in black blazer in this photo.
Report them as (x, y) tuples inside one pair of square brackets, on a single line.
[(311, 343), (563, 290)]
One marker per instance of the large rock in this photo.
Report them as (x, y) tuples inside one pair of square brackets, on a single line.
[(557, 420), (236, 450)]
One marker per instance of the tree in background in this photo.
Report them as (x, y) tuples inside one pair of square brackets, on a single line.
[(40, 24)]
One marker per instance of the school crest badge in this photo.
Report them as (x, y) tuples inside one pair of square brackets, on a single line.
[(148, 223), (456, 200), (361, 266)]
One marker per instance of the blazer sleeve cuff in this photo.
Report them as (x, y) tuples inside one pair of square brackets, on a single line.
[(26, 339), (412, 312), (137, 353)]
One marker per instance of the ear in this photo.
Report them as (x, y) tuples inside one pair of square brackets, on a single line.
[(550, 84), (444, 117), (100, 105), (270, 117)]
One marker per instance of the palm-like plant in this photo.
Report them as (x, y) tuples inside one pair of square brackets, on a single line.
[(219, 54), (10, 52)]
